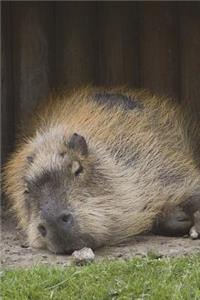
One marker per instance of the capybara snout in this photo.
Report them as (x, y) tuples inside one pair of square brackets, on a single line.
[(61, 234)]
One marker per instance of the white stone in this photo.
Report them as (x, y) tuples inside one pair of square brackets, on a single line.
[(83, 256), (193, 233)]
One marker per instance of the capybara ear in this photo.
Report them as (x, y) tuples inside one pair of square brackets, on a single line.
[(78, 144)]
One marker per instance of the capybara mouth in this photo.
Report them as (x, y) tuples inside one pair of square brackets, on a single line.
[(64, 249), (60, 251)]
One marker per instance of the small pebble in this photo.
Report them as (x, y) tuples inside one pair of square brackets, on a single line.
[(193, 233), (119, 255), (83, 256), (25, 245)]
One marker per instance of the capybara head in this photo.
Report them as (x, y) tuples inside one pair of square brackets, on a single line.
[(62, 184)]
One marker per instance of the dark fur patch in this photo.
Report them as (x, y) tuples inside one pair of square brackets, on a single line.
[(175, 223), (47, 183), (47, 192), (131, 161), (169, 177), (127, 157), (41, 180), (111, 100), (191, 204)]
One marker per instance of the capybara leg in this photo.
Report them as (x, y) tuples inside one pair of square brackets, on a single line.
[(195, 229), (192, 207), (174, 223)]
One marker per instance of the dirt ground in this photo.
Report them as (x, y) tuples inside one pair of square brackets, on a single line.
[(14, 252)]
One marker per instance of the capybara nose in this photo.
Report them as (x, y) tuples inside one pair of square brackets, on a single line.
[(42, 230), (61, 224), (66, 218)]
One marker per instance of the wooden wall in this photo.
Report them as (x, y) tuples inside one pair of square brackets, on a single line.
[(46, 45)]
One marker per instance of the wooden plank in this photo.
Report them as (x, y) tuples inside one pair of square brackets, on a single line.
[(7, 95), (33, 54), (76, 43), (190, 54), (118, 43), (190, 67), (159, 64)]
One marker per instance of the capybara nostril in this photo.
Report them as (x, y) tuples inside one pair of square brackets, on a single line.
[(66, 217), (42, 230)]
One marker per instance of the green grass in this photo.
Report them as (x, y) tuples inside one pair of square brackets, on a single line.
[(146, 278)]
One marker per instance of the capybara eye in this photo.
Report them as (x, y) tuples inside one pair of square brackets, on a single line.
[(26, 191), (30, 159), (42, 230), (78, 171), (62, 154), (76, 168)]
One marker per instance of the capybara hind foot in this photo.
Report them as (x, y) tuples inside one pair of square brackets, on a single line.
[(174, 223), (195, 229)]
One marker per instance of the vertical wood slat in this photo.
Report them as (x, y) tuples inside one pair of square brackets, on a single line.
[(159, 47), (7, 95), (96, 43), (118, 43), (76, 47), (190, 54), (33, 54)]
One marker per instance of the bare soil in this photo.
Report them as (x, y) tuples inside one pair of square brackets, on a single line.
[(15, 253)]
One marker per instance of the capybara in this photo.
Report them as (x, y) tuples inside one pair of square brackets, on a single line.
[(100, 166)]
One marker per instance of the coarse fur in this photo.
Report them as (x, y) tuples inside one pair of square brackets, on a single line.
[(138, 165)]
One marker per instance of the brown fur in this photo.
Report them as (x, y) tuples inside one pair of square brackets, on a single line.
[(143, 153)]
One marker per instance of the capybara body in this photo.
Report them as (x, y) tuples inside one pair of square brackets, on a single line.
[(100, 166)]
